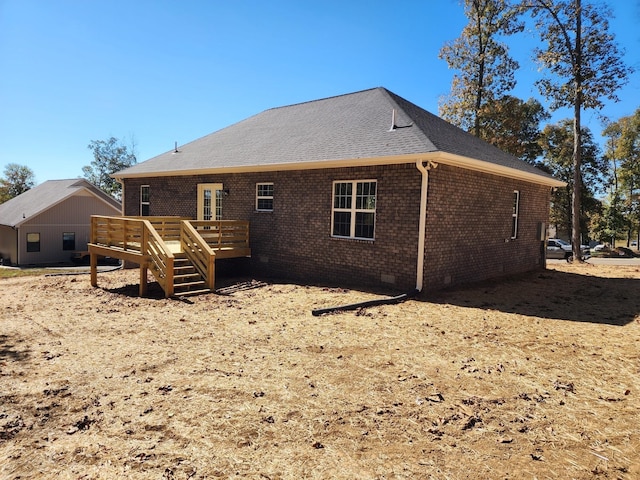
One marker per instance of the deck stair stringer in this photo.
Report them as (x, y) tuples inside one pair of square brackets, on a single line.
[(186, 278)]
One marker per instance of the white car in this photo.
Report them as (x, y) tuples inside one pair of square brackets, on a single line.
[(558, 248)]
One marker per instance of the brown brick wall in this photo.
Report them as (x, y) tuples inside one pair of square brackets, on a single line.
[(469, 218), (469, 227)]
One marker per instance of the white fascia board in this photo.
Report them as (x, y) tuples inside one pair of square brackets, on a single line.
[(438, 157)]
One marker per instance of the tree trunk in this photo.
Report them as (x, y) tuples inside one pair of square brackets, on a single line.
[(577, 139)]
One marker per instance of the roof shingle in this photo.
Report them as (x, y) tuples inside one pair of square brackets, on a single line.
[(42, 197), (354, 126)]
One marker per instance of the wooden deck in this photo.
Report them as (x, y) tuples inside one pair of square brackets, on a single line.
[(180, 252)]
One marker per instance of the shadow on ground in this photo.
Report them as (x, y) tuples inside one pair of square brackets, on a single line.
[(552, 294), (225, 285), (9, 351), (546, 294)]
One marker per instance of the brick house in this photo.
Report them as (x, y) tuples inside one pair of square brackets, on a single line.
[(359, 189)]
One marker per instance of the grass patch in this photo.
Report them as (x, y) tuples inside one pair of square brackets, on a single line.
[(18, 272)]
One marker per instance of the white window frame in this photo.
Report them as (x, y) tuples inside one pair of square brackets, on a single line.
[(352, 210), (515, 214), (264, 197), (143, 203)]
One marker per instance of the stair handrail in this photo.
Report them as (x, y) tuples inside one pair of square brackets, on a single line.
[(198, 252), (160, 257)]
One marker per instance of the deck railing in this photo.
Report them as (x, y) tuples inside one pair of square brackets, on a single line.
[(117, 233), (167, 227), (221, 235), (131, 239), (150, 241)]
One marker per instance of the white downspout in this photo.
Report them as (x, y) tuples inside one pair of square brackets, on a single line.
[(423, 219)]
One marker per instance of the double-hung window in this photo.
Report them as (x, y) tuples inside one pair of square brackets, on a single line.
[(353, 212), (515, 213), (264, 197), (33, 242), (144, 200)]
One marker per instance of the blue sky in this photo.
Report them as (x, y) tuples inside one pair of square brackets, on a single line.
[(159, 71)]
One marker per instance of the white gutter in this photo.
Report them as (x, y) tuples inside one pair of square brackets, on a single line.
[(438, 157), (423, 219)]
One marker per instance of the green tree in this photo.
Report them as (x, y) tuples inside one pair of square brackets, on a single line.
[(585, 67), (17, 179), (610, 224), (556, 142), (612, 132), (623, 150), (514, 126), (109, 156), (486, 70)]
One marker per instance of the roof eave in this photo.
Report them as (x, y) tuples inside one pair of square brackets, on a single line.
[(438, 156), (494, 169), (71, 194), (273, 167)]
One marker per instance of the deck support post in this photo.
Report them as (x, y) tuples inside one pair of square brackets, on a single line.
[(211, 273), (168, 290), (143, 279), (94, 269)]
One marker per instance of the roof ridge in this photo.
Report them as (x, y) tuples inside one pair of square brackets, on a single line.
[(326, 98)]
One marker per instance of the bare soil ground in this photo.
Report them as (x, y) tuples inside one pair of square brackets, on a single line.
[(534, 377)]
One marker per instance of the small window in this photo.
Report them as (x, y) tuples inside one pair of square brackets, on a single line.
[(69, 241), (33, 242), (354, 209), (514, 215), (264, 197), (144, 200)]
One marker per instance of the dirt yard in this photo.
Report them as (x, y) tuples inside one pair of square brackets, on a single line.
[(535, 377)]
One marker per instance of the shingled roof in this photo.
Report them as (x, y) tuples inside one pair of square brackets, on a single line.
[(40, 198), (369, 127)]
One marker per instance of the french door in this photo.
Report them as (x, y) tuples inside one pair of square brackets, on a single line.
[(209, 201)]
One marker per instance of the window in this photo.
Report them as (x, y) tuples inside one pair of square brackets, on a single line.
[(354, 209), (144, 200), (514, 215), (264, 197), (33, 242), (69, 241)]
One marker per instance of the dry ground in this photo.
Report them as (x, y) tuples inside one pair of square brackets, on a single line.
[(535, 377)]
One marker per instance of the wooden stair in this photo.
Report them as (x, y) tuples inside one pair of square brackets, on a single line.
[(186, 279), (154, 244)]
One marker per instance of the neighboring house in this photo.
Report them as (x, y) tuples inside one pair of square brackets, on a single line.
[(50, 222), (359, 189)]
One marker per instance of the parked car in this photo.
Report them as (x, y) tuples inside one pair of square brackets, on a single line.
[(624, 252), (558, 248)]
